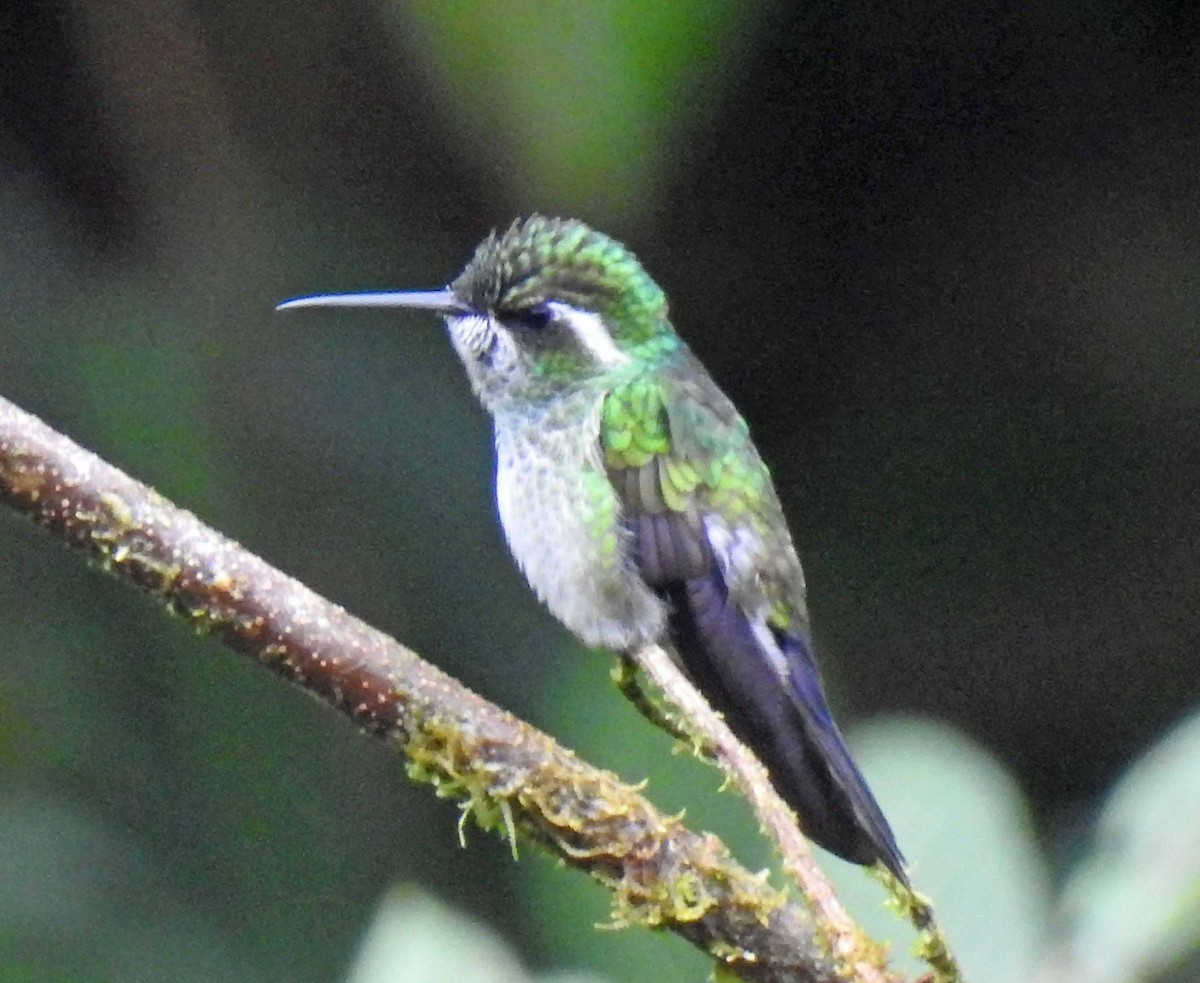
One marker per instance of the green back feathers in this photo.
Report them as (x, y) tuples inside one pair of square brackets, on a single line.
[(633, 424), (688, 447), (544, 259), (675, 449)]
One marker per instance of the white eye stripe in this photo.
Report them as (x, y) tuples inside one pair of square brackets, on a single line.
[(590, 332)]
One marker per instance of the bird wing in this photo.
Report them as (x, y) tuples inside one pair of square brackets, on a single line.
[(708, 535)]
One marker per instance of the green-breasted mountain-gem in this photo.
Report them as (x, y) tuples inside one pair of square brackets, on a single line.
[(636, 504)]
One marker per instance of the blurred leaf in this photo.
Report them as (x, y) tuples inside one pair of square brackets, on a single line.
[(578, 105), (1131, 906), (417, 939), (965, 830)]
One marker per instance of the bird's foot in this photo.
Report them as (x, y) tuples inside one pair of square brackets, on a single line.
[(626, 676)]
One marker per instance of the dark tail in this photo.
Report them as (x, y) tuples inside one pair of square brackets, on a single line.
[(786, 722)]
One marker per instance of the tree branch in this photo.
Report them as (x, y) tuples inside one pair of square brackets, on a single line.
[(847, 941), (509, 775)]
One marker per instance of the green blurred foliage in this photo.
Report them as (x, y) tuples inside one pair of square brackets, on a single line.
[(941, 257), (414, 937), (579, 103), (971, 818), (1129, 907)]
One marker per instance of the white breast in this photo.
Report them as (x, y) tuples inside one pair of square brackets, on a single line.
[(561, 518)]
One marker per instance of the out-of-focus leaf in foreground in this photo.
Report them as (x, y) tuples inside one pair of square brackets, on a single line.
[(966, 832), (417, 939), (1130, 909)]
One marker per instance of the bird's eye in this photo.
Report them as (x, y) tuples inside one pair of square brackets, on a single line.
[(532, 318)]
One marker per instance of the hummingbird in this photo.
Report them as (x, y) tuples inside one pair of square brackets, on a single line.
[(637, 506)]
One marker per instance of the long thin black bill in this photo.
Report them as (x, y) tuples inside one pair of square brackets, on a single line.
[(442, 301)]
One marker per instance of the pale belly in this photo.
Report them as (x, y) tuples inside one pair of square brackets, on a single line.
[(562, 521)]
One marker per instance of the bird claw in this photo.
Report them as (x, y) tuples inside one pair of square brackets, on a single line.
[(625, 676)]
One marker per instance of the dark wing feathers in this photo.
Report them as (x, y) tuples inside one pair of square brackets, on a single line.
[(674, 447), (823, 732)]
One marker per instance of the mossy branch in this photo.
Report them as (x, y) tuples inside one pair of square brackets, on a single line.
[(511, 777), (849, 945)]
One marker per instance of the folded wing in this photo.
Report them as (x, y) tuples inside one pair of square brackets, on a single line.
[(709, 536)]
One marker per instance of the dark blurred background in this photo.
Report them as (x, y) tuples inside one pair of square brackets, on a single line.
[(944, 257)]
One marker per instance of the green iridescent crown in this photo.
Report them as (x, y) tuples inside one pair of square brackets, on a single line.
[(541, 259)]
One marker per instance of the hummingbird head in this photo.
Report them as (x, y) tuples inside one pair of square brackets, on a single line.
[(541, 307)]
